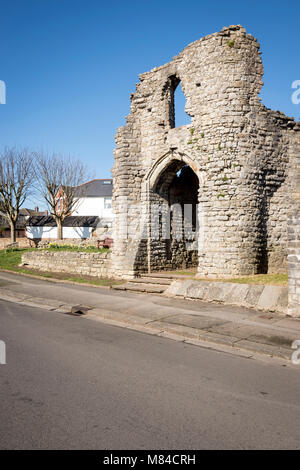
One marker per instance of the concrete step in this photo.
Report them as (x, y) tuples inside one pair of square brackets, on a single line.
[(141, 287), (152, 280), (170, 277), (158, 276)]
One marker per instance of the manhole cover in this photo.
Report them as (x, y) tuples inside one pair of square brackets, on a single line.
[(79, 310)]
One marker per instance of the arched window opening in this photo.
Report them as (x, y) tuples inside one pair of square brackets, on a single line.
[(177, 101)]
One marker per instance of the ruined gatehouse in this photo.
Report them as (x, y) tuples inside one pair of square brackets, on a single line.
[(233, 164)]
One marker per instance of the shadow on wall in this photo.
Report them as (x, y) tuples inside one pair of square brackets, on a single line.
[(44, 232)]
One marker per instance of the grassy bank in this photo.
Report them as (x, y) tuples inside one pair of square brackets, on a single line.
[(9, 259), (260, 279), (265, 279), (87, 249)]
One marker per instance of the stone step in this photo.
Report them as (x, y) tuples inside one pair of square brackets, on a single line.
[(158, 276), (170, 277), (139, 287), (152, 280)]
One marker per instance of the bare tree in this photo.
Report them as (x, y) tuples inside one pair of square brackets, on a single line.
[(59, 178), (16, 178)]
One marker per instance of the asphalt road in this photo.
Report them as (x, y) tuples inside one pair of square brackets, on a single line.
[(72, 383)]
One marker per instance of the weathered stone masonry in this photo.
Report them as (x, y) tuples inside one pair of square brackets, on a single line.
[(79, 263), (237, 152), (294, 234)]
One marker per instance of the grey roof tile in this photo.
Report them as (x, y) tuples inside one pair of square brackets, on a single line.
[(95, 188), (71, 221)]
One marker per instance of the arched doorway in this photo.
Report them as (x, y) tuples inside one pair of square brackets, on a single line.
[(173, 207)]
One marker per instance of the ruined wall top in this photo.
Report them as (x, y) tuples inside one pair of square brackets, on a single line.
[(219, 72)]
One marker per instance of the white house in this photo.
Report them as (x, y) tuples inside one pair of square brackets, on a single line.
[(95, 200), (92, 215), (44, 227)]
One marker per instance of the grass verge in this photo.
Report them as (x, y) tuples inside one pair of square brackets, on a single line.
[(260, 279), (87, 249), (265, 279)]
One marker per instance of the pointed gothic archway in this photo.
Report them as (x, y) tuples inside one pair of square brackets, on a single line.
[(173, 214)]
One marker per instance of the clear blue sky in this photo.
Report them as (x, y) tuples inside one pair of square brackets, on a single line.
[(70, 65)]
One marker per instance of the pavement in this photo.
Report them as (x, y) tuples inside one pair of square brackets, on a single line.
[(69, 383), (246, 332)]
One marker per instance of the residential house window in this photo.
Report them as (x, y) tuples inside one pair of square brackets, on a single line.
[(107, 203), (59, 204)]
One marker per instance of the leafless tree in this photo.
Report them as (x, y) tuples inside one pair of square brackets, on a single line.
[(16, 178), (58, 179)]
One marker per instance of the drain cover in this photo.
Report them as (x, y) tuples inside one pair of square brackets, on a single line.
[(79, 310)]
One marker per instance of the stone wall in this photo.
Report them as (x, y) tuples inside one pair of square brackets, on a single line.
[(238, 149), (260, 297), (22, 242), (294, 235), (79, 263)]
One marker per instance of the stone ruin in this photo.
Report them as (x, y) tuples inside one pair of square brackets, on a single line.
[(234, 165)]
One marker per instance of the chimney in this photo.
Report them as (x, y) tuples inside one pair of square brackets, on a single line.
[(36, 209)]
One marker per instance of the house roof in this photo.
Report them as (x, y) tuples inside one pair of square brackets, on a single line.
[(30, 212), (21, 222), (71, 221), (4, 223), (95, 188)]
